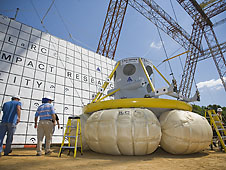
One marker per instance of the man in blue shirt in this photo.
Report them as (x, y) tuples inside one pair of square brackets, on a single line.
[(45, 126), (11, 117)]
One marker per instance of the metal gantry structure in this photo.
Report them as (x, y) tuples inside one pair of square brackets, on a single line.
[(201, 17), (112, 28), (202, 28)]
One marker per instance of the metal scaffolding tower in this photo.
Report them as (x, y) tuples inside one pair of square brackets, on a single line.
[(201, 19), (112, 27)]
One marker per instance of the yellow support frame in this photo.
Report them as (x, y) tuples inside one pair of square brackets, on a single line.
[(175, 56), (108, 94), (145, 71), (105, 83), (161, 75), (99, 94)]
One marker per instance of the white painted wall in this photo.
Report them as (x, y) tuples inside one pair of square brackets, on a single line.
[(34, 64)]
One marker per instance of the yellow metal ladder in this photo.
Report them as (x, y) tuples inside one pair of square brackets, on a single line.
[(217, 125), (68, 135)]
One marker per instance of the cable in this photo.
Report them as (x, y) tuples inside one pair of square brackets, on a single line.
[(7, 10), (173, 10), (35, 10), (165, 51), (47, 11), (169, 56), (70, 35), (55, 49), (177, 22), (62, 20), (38, 16)]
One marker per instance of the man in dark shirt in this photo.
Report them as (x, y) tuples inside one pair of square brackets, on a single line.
[(11, 117)]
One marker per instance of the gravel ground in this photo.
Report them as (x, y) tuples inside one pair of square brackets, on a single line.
[(26, 159)]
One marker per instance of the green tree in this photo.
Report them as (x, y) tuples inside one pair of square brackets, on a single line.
[(198, 109), (201, 110), (215, 107)]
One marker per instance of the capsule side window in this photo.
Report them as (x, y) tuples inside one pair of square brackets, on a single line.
[(149, 70), (129, 69), (148, 87)]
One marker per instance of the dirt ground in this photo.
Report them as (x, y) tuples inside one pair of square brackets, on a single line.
[(26, 159)]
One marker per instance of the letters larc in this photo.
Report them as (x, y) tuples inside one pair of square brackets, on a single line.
[(43, 50), (41, 66), (9, 40)]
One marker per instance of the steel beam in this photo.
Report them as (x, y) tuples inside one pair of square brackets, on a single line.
[(154, 13), (199, 17), (112, 28), (191, 61)]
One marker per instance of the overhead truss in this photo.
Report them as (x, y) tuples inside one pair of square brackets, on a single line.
[(202, 20)]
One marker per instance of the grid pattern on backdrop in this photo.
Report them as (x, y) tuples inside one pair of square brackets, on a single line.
[(34, 64)]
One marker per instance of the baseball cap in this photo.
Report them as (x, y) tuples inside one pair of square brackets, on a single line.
[(16, 97), (219, 110), (48, 98)]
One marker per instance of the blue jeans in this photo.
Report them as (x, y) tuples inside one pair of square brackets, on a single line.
[(10, 128)]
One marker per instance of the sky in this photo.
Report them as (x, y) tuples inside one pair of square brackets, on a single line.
[(84, 20)]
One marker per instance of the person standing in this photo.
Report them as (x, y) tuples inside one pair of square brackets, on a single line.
[(11, 117), (45, 126), (219, 114)]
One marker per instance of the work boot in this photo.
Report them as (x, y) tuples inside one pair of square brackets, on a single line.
[(38, 154), (211, 146), (7, 154), (48, 153)]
